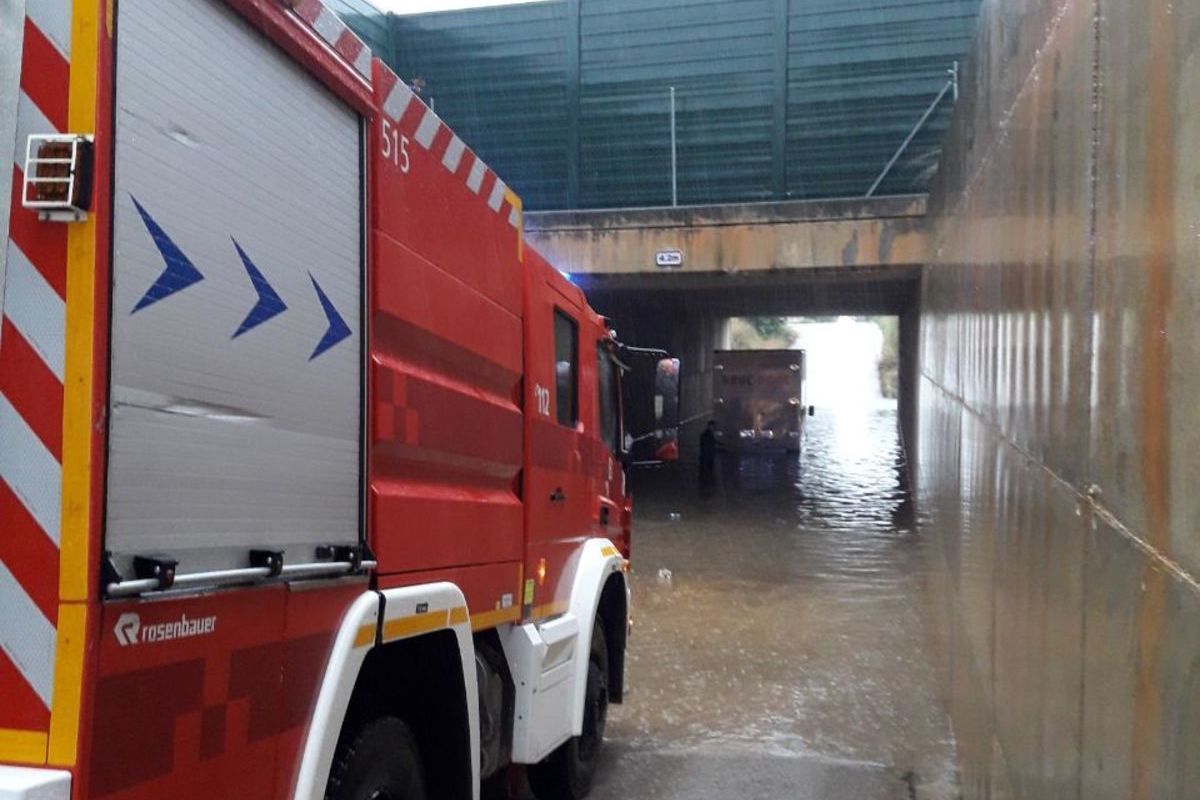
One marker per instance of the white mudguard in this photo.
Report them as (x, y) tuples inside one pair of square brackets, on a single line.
[(354, 639), (599, 560), (409, 612), (549, 659)]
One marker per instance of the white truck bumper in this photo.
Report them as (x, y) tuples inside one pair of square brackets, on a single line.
[(27, 783)]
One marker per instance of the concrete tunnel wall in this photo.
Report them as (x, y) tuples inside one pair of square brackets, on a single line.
[(1059, 444)]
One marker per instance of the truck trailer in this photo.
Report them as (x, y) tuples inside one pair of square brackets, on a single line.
[(311, 470), (758, 400)]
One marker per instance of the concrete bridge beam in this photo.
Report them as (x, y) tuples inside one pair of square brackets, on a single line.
[(755, 237)]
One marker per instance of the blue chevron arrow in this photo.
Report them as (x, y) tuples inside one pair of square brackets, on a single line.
[(269, 304), (338, 329), (179, 273)]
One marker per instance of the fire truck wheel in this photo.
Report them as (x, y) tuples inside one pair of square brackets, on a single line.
[(380, 763), (567, 773)]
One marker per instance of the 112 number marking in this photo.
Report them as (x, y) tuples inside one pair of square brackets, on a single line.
[(541, 396)]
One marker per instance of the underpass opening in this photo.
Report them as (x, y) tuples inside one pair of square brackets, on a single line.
[(695, 315), (777, 374)]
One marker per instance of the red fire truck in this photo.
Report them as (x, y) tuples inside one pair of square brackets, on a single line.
[(311, 472)]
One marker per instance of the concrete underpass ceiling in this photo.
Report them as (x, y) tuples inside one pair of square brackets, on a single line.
[(812, 293), (776, 99)]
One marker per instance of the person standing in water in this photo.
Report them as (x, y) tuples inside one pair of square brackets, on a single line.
[(708, 460)]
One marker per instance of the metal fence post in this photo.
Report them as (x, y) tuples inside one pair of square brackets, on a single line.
[(573, 81), (779, 102), (674, 156)]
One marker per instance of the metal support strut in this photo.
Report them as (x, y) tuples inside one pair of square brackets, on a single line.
[(950, 87)]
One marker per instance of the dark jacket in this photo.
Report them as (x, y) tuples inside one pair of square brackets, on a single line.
[(708, 449)]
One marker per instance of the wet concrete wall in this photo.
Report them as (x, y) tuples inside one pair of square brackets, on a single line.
[(1060, 449)]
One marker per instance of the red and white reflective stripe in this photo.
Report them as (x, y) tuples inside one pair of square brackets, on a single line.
[(53, 19), (454, 154), (31, 647), (335, 33), (397, 99), (496, 198), (477, 174), (33, 325)]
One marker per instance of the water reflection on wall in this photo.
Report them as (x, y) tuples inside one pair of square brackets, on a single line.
[(1059, 444)]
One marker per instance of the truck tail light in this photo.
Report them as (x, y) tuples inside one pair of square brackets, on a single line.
[(58, 177)]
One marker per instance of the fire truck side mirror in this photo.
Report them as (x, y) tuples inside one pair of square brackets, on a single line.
[(666, 410)]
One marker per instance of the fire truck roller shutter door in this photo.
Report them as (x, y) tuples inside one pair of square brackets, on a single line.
[(236, 323)]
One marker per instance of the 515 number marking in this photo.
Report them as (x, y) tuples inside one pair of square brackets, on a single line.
[(395, 147)]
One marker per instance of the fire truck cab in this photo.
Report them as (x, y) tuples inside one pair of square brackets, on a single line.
[(312, 472)]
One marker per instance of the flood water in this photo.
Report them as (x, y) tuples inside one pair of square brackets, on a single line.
[(780, 647)]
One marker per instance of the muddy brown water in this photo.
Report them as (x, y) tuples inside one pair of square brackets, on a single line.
[(780, 647)]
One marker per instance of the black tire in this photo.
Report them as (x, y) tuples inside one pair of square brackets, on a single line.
[(380, 762), (496, 787), (568, 772)]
